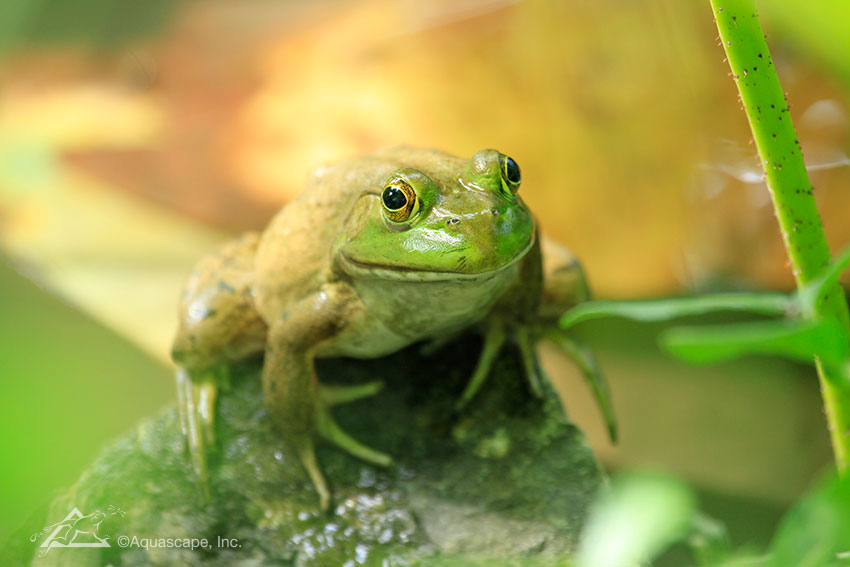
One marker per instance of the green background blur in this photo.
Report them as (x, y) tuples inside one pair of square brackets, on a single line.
[(68, 387)]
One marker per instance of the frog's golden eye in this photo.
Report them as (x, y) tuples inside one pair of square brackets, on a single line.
[(399, 201), (511, 176)]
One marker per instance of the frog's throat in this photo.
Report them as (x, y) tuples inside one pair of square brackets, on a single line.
[(404, 273)]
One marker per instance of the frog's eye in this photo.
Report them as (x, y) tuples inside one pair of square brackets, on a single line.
[(511, 176), (399, 201)]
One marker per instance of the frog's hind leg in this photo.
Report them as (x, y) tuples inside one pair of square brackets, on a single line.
[(586, 362), (196, 398), (196, 405), (219, 325), (564, 281), (565, 286)]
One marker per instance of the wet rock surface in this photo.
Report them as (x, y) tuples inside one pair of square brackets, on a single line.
[(506, 477)]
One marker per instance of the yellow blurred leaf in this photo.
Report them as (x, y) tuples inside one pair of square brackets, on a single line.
[(118, 258)]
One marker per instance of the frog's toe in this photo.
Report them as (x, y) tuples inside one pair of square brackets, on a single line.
[(496, 335), (329, 430), (306, 450), (205, 395), (336, 395), (196, 405), (184, 391), (494, 338), (534, 375)]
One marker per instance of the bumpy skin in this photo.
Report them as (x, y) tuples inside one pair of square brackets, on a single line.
[(338, 272)]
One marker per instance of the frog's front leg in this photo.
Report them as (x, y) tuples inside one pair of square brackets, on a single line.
[(497, 332), (551, 280), (513, 317), (299, 405), (495, 336)]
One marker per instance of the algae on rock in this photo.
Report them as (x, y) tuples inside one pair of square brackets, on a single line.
[(507, 477)]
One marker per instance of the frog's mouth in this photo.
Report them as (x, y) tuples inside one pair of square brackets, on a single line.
[(407, 273)]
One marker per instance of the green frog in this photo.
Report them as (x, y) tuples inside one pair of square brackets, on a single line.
[(403, 246)]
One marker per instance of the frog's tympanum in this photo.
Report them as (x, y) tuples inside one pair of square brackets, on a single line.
[(402, 246)]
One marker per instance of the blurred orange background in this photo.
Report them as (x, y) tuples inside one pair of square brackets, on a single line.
[(620, 110)]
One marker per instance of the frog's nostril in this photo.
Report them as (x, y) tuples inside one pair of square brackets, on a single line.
[(453, 221), (494, 212)]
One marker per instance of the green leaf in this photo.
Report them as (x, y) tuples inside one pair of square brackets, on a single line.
[(813, 292), (639, 517), (709, 541), (816, 531), (670, 308), (802, 340)]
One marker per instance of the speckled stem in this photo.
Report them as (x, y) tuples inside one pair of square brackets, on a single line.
[(779, 150)]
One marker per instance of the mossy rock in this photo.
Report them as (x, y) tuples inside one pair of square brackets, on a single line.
[(507, 478)]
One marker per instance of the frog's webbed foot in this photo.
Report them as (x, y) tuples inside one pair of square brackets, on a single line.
[(327, 428), (526, 342), (336, 395), (526, 338), (495, 336), (586, 362), (196, 406)]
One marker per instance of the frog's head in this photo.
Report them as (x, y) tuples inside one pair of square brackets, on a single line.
[(436, 217)]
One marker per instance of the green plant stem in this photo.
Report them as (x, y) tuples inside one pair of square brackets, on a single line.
[(776, 140)]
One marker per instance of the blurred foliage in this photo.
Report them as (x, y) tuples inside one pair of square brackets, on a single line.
[(643, 514), (102, 24), (817, 30), (816, 531), (802, 334), (68, 386), (639, 516)]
